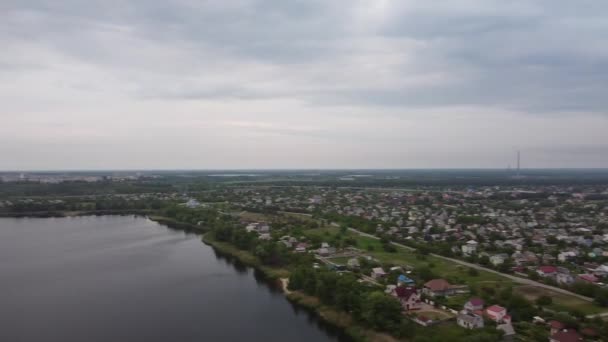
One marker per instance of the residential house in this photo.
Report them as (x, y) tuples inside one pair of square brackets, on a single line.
[(408, 297), (353, 264), (439, 287), (301, 248), (474, 304), (469, 248), (508, 331), (588, 278), (496, 313), (601, 271), (564, 278), (498, 259), (565, 256), (378, 273), (469, 320), (547, 271), (402, 279), (556, 326), (566, 336)]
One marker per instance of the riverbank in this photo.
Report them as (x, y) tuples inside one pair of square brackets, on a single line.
[(169, 222), (68, 213), (245, 257), (151, 214), (339, 319)]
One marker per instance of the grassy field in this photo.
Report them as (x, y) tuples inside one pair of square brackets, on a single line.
[(403, 257), (257, 217), (455, 273), (561, 302)]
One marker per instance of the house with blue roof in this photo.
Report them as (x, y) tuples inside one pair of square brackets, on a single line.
[(402, 279)]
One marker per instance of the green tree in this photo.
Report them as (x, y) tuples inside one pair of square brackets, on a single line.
[(381, 312)]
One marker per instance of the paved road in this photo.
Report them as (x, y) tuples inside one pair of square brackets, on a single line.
[(519, 280)]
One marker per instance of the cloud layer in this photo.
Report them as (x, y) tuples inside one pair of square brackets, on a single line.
[(303, 84)]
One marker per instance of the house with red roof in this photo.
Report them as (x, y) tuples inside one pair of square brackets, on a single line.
[(408, 297), (589, 278), (547, 271), (556, 326), (440, 287), (496, 313), (566, 336), (474, 304)]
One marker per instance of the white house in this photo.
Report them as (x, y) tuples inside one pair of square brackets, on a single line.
[(469, 320), (378, 273), (469, 248), (498, 259)]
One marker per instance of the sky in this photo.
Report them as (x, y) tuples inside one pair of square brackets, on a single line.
[(104, 84)]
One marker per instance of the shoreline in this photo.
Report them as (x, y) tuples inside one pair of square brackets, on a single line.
[(328, 315), (149, 214)]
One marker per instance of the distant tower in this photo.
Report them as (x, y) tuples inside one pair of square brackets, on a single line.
[(518, 162)]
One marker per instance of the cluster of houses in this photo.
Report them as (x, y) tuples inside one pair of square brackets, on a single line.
[(563, 275), (559, 332), (473, 314), (509, 220)]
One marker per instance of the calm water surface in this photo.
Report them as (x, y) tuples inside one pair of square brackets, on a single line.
[(120, 278)]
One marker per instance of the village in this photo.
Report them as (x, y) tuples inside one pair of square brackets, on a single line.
[(425, 299)]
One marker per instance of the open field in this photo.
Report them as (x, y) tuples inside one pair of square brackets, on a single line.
[(561, 302), (249, 216), (456, 274)]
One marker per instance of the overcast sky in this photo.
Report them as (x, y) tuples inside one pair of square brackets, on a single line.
[(104, 84)]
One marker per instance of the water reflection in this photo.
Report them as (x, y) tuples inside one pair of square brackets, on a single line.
[(112, 278)]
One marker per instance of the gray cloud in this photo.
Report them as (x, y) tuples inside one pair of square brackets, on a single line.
[(331, 66)]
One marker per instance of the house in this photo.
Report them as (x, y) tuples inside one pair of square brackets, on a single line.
[(378, 273), (192, 203), (301, 248), (265, 237), (474, 304), (547, 271), (564, 278), (556, 326), (566, 336), (324, 252), (589, 278), (438, 287), (408, 297), (498, 259), (469, 248), (402, 279), (565, 256), (508, 331), (496, 313), (353, 264), (469, 320), (288, 241), (390, 289), (601, 271)]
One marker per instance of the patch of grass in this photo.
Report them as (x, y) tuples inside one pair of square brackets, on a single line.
[(443, 268), (328, 232), (457, 273), (257, 217), (561, 302)]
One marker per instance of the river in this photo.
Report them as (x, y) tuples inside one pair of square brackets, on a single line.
[(126, 278)]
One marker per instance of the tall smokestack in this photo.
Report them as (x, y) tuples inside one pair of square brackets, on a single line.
[(518, 162)]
